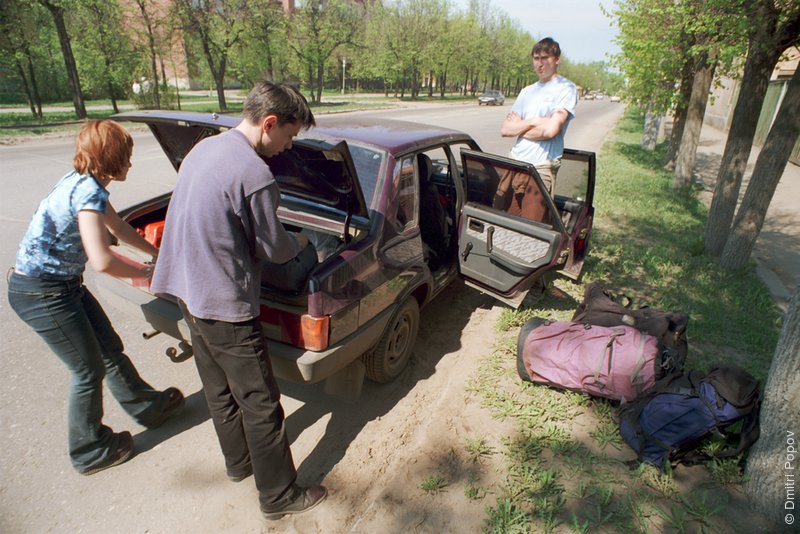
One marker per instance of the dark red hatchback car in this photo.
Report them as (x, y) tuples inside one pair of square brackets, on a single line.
[(396, 211)]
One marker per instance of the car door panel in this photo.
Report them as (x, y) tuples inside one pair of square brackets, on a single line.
[(499, 251), (502, 252)]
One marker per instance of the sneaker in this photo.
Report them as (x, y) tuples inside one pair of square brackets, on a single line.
[(238, 477), (121, 454), (308, 499), (174, 404)]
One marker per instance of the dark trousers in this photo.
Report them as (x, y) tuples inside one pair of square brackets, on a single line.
[(72, 323), (244, 402)]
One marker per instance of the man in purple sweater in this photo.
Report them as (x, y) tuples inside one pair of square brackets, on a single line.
[(221, 225)]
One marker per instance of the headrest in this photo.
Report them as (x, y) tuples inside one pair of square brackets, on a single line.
[(425, 166)]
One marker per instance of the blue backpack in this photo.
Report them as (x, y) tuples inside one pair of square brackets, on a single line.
[(671, 420)]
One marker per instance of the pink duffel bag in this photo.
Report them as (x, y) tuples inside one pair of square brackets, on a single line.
[(616, 362)]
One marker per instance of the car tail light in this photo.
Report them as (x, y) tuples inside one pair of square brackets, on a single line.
[(580, 246), (314, 331), (307, 331)]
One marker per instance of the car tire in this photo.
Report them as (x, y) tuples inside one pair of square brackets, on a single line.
[(390, 356)]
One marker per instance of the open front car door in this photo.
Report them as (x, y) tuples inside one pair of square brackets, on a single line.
[(512, 231)]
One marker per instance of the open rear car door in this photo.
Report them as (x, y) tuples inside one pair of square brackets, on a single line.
[(511, 231)]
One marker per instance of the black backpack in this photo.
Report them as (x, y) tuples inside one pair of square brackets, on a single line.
[(601, 307), (672, 420)]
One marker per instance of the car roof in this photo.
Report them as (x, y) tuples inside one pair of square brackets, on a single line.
[(394, 136)]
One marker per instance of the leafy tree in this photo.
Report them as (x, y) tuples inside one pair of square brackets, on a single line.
[(104, 47), (447, 43), (151, 22), (767, 173), (774, 25), (705, 65), (653, 51), (18, 36), (260, 55), (56, 9), (217, 25), (717, 29), (317, 30), (663, 42)]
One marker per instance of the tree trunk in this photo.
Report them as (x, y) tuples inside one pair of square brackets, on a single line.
[(770, 477), (270, 73), (37, 98), (219, 80), (310, 70), (767, 173), (26, 87), (110, 84), (687, 153), (652, 123), (320, 79), (151, 42), (679, 121), (761, 59), (69, 60), (112, 96)]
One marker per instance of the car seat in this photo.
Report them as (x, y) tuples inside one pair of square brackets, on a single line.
[(433, 219)]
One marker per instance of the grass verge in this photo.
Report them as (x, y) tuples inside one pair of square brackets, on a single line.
[(19, 125), (566, 465)]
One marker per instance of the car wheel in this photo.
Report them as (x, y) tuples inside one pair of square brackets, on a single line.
[(390, 356)]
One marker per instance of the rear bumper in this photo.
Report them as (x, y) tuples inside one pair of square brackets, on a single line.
[(288, 362)]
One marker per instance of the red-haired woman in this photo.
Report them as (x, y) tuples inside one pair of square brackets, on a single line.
[(46, 290)]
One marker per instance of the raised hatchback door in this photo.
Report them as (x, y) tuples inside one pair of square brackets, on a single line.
[(510, 231)]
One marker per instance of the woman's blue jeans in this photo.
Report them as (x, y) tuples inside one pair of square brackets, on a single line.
[(77, 330)]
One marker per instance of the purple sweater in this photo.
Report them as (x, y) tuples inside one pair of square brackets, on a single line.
[(221, 224)]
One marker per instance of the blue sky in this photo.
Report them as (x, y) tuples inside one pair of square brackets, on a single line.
[(578, 25)]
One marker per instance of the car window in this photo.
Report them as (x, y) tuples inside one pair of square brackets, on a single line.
[(502, 187), (573, 180), (407, 198), (368, 163), (456, 148), (441, 165)]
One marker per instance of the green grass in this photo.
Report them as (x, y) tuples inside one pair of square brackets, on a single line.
[(433, 484), (564, 465), (24, 125)]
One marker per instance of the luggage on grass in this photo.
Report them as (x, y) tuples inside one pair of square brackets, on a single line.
[(600, 307), (671, 421), (617, 363)]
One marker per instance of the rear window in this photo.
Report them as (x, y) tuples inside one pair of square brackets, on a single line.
[(368, 163)]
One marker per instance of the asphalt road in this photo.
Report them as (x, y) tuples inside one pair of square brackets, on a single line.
[(176, 481)]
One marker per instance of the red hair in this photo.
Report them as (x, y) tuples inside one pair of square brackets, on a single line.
[(103, 149)]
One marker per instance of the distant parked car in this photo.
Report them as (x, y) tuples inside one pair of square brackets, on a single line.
[(492, 98), (600, 96), (588, 96), (396, 211), (615, 98)]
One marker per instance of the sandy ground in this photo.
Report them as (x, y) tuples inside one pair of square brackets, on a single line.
[(412, 429)]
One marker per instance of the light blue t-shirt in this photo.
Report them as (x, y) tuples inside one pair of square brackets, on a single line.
[(541, 100), (52, 246)]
